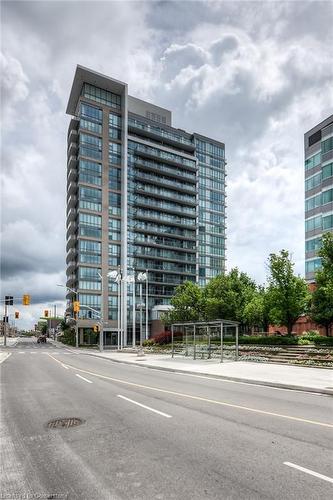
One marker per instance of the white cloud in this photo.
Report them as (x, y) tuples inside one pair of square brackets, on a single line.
[(241, 72)]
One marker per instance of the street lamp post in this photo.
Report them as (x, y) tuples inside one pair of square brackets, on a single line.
[(101, 329), (75, 314), (116, 276), (146, 304), (110, 274), (131, 279), (143, 277)]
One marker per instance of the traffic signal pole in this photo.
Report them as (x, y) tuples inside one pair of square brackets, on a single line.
[(76, 330), (5, 326)]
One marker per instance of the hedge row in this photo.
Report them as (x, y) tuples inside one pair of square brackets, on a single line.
[(323, 341), (272, 340), (165, 338)]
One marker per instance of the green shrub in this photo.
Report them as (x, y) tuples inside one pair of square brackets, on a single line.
[(303, 341), (310, 335), (68, 337), (323, 341), (148, 343), (272, 340)]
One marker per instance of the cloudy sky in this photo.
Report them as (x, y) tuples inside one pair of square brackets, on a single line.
[(255, 75)]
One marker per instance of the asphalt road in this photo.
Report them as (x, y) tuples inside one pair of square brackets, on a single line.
[(149, 434)]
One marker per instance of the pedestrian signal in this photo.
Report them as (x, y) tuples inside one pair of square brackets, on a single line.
[(26, 300), (76, 306), (46, 313), (17, 315)]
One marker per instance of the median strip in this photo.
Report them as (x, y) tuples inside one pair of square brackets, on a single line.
[(144, 406), (309, 471)]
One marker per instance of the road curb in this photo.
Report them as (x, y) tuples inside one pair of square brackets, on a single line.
[(264, 383)]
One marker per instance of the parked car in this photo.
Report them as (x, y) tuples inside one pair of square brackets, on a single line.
[(41, 339)]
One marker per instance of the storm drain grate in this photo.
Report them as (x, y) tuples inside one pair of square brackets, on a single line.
[(61, 423)]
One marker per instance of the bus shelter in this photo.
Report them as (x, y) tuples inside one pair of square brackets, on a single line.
[(218, 339)]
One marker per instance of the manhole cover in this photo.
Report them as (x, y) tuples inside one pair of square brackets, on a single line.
[(60, 423)]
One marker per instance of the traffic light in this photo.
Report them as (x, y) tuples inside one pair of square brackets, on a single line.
[(76, 306), (26, 300), (96, 328), (17, 315), (46, 313)]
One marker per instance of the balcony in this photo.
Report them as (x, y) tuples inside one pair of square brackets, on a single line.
[(162, 194), (71, 267), (71, 188), (72, 201), (72, 174), (71, 162), (165, 136), (72, 149), (165, 208), (163, 170), (166, 157), (73, 136), (71, 280), (71, 215), (71, 254), (71, 242), (71, 228), (73, 125), (163, 181)]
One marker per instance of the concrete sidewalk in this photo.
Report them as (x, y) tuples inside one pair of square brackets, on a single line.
[(289, 377)]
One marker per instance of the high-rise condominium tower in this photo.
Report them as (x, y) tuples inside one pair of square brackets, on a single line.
[(318, 154), (142, 196)]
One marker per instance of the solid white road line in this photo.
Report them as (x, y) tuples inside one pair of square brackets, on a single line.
[(308, 471), (144, 406), (64, 366), (85, 379)]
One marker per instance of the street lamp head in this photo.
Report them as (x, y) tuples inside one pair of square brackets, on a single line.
[(142, 277), (68, 288), (113, 274)]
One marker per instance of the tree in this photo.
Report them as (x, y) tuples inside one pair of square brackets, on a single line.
[(187, 304), (256, 311), (227, 295), (326, 254), (44, 328), (322, 298), (288, 293)]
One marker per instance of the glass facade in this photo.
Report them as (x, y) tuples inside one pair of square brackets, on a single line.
[(175, 202), (318, 167), (102, 96), (211, 228)]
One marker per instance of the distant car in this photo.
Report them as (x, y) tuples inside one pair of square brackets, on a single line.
[(41, 339)]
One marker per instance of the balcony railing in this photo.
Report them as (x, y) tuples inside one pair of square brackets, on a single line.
[(159, 133)]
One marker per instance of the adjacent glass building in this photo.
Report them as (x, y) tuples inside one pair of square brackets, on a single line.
[(141, 195), (318, 154)]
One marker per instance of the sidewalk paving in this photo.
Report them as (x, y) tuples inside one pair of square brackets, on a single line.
[(289, 377)]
